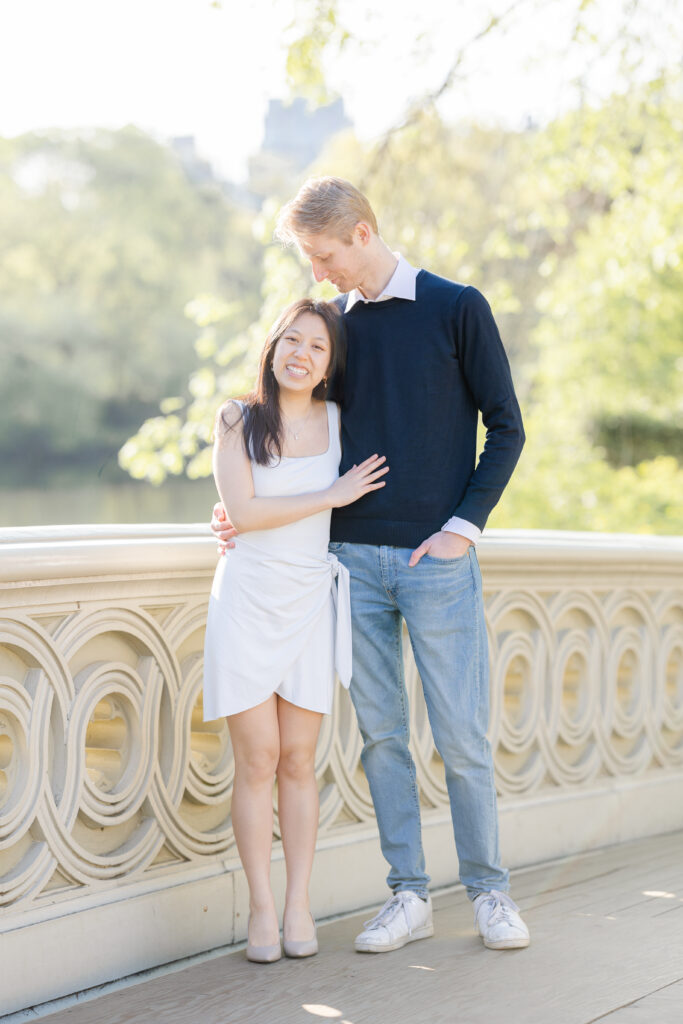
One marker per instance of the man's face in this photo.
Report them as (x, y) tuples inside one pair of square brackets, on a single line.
[(334, 260)]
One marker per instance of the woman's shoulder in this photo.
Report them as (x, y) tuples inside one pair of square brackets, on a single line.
[(233, 410), (230, 418)]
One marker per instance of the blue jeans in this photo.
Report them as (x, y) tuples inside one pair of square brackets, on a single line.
[(441, 602)]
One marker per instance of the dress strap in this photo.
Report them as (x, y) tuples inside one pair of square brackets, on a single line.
[(333, 427)]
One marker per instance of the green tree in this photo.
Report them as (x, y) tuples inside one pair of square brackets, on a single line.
[(605, 413), (105, 239)]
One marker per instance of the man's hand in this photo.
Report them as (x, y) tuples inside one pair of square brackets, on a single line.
[(223, 528), (441, 545)]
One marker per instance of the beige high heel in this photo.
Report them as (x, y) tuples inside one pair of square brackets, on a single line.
[(297, 948), (263, 954)]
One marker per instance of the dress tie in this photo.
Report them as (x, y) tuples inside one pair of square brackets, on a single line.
[(342, 605)]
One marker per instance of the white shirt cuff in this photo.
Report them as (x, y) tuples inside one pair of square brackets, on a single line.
[(463, 527)]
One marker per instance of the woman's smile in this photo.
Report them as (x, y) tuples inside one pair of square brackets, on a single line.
[(296, 371)]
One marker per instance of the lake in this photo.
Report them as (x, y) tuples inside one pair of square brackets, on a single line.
[(178, 500)]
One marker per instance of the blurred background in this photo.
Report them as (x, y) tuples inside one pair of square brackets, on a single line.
[(529, 148)]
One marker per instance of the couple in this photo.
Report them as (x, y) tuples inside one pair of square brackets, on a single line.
[(411, 359)]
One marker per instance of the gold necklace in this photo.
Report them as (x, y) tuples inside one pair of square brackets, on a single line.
[(301, 425)]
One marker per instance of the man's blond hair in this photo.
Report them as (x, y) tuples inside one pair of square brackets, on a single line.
[(324, 206)]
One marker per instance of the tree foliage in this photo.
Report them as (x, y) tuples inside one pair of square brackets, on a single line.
[(605, 413), (105, 239)]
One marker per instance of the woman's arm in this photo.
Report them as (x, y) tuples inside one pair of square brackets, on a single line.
[(235, 483)]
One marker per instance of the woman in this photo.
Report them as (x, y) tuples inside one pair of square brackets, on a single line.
[(278, 626)]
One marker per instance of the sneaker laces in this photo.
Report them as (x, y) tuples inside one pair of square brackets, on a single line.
[(394, 905), (500, 907)]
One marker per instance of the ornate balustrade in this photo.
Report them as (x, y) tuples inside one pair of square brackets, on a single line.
[(115, 795)]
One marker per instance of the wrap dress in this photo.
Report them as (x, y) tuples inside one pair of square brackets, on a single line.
[(279, 618)]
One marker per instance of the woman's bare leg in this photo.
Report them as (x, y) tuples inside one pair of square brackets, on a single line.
[(298, 807), (256, 746)]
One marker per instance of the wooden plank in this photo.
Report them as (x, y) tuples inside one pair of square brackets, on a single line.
[(598, 947), (662, 1007)]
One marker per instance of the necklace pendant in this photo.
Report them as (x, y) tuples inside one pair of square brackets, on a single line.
[(296, 437)]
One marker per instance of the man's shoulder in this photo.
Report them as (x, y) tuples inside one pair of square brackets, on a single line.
[(432, 284)]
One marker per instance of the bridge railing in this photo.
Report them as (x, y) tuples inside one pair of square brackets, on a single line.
[(116, 848)]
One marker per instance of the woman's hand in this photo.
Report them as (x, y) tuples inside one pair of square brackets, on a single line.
[(223, 528), (359, 480)]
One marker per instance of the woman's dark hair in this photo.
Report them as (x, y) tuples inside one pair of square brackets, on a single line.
[(262, 434)]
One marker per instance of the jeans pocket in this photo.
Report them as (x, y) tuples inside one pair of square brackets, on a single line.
[(448, 561), (335, 545)]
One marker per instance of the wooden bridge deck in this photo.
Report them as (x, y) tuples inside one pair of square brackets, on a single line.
[(607, 945)]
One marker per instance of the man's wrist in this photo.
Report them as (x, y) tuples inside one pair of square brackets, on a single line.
[(463, 527)]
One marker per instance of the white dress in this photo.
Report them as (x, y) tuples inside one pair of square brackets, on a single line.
[(277, 621)]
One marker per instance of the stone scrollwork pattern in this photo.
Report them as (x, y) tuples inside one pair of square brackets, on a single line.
[(108, 772)]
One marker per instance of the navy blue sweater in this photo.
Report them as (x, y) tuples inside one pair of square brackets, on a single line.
[(417, 374)]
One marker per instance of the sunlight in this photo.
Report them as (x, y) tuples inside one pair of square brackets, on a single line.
[(320, 1010)]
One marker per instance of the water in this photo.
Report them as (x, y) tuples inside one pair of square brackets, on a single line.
[(176, 501)]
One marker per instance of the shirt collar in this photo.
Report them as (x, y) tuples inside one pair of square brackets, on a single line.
[(401, 285)]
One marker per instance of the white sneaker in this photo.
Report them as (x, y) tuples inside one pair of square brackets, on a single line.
[(403, 918), (497, 919)]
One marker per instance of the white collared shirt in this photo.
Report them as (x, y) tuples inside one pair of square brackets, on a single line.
[(401, 285)]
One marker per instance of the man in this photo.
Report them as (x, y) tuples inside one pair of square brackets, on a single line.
[(424, 357)]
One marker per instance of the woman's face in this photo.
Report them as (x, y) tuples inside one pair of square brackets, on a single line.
[(302, 354)]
